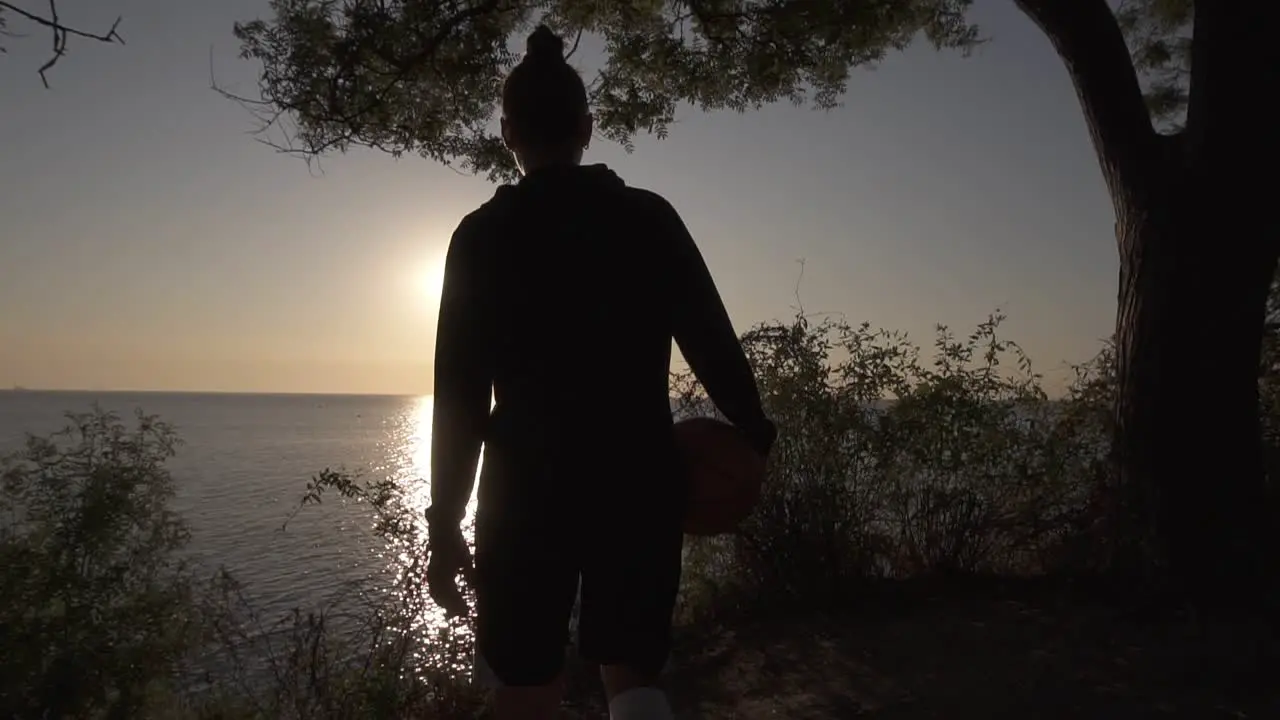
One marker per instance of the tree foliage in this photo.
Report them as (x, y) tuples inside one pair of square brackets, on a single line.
[(422, 77), (1159, 36), (419, 76)]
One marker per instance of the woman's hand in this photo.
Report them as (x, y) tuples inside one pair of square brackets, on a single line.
[(449, 559)]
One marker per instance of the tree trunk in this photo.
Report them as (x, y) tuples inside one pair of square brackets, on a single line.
[(1198, 245), (1189, 329)]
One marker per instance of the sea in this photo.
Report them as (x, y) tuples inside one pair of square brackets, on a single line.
[(242, 469)]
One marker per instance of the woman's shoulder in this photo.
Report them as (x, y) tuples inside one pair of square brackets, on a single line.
[(650, 204), (489, 212), (645, 196), (494, 206)]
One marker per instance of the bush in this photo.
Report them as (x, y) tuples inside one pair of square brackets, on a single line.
[(891, 466), (95, 610), (101, 618), (373, 650)]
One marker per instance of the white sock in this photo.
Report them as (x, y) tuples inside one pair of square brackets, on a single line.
[(642, 703)]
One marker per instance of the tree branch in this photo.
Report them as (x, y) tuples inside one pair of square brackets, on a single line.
[(1089, 41), (61, 33)]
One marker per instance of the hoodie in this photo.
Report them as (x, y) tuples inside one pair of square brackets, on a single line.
[(561, 296)]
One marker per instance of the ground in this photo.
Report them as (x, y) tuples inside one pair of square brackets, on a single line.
[(996, 651)]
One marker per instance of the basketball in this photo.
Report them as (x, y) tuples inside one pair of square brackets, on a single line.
[(725, 475)]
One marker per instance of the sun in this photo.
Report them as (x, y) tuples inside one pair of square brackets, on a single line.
[(432, 281)]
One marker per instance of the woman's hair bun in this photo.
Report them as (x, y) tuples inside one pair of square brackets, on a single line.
[(544, 46)]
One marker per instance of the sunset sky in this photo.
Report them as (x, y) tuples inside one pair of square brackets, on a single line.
[(148, 242)]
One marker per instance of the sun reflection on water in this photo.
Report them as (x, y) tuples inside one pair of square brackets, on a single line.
[(444, 642), (418, 473)]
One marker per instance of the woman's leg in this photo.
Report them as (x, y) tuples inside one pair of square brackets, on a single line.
[(525, 588), (629, 588)]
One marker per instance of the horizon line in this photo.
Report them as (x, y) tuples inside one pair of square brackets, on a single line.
[(18, 390)]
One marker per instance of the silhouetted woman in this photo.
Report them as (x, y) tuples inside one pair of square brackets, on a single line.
[(561, 296)]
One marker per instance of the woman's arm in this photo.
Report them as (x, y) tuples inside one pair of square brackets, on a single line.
[(463, 380), (708, 341)]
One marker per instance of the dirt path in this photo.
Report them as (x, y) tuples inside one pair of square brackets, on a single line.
[(979, 657)]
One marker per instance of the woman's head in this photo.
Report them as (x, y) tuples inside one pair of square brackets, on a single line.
[(544, 105)]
